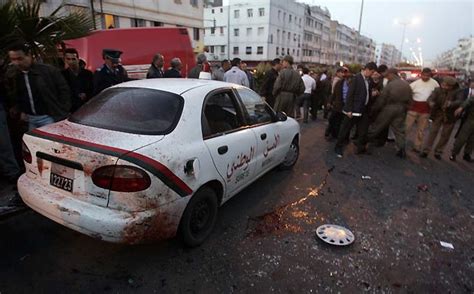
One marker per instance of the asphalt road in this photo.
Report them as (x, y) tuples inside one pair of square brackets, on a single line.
[(265, 237)]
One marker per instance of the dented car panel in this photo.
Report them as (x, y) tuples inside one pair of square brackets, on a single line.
[(59, 182)]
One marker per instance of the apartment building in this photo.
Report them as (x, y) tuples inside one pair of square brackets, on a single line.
[(387, 54), (460, 57), (317, 36)]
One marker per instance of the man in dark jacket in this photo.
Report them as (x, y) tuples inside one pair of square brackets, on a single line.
[(80, 80), (269, 81), (337, 101), (195, 71), (111, 73), (356, 110), (39, 91), (175, 70), (466, 133), (443, 102), (156, 68), (392, 106)]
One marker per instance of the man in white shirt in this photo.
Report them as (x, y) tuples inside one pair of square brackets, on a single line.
[(304, 100), (235, 74), (419, 110)]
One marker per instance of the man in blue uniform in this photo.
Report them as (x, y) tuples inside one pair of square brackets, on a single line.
[(111, 73)]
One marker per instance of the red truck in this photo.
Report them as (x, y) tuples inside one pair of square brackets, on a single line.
[(139, 45)]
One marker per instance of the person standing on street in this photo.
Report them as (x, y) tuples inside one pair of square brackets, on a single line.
[(175, 70), (288, 86), (419, 111), (305, 99), (39, 92), (249, 75), (218, 74), (80, 80), (195, 71), (443, 102), (356, 110), (269, 81), (156, 68), (236, 75), (391, 106), (111, 73), (336, 104), (465, 136)]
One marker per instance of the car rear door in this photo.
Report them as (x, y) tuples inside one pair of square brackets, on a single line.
[(232, 145)]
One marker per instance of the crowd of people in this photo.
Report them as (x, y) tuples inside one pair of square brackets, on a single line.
[(365, 106)]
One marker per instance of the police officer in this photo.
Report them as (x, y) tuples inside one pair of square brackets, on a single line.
[(111, 73), (466, 134)]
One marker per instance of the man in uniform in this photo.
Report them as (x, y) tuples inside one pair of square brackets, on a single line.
[(466, 133), (288, 86), (443, 102), (269, 81), (391, 106), (111, 73)]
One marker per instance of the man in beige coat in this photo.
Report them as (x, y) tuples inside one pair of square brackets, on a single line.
[(288, 86)]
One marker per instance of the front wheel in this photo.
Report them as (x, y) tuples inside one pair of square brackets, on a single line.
[(291, 156), (199, 217)]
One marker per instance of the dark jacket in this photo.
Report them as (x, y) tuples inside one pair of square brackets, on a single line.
[(172, 73), (105, 77), (50, 86), (194, 72), (443, 103), (154, 72), (357, 95), (336, 100), (397, 92), (268, 82), (81, 83)]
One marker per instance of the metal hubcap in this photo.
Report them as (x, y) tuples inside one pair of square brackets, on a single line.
[(335, 235), (291, 155), (200, 217)]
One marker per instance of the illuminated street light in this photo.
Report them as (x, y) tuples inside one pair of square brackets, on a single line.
[(413, 21)]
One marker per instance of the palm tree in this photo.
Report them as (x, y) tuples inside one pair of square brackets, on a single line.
[(21, 22)]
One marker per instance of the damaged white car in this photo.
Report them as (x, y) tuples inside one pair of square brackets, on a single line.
[(145, 160)]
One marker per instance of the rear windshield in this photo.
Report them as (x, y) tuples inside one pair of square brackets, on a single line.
[(132, 110)]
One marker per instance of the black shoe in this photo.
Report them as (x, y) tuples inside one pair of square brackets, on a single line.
[(423, 154), (338, 152), (437, 156), (452, 157), (401, 153), (467, 158)]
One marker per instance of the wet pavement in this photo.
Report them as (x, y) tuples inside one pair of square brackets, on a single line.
[(265, 239)]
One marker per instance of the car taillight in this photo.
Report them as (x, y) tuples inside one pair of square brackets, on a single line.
[(121, 178), (26, 153)]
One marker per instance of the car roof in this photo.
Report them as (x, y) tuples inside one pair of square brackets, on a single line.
[(177, 86)]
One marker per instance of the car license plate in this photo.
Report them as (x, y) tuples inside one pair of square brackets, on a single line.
[(61, 182)]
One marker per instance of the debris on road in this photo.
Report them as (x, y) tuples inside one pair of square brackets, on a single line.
[(422, 188), (366, 177), (446, 245)]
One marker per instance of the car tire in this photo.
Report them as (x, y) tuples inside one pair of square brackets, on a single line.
[(291, 156), (199, 217)]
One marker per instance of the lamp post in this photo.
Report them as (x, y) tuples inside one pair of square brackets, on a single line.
[(358, 32), (404, 24)]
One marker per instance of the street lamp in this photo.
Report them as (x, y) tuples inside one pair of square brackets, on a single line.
[(414, 21)]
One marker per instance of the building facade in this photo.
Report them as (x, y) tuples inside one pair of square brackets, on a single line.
[(365, 51), (317, 36), (141, 13), (342, 43), (387, 54), (460, 57)]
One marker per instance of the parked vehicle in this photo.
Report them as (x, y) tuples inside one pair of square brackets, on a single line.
[(147, 159), (139, 45)]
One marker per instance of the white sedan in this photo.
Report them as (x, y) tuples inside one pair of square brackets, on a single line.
[(146, 160)]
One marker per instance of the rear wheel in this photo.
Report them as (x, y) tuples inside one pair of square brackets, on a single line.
[(199, 217), (291, 156)]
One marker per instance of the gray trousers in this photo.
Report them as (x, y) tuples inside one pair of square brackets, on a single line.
[(8, 165)]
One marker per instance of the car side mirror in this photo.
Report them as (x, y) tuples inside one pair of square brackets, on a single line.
[(281, 116)]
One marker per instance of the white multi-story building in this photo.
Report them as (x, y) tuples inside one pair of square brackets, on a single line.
[(254, 31), (317, 35), (387, 54), (459, 58), (342, 42), (365, 52), (141, 13)]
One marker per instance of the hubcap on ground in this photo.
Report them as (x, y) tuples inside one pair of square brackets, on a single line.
[(335, 235)]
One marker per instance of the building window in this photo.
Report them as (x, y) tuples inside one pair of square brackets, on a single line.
[(289, 18), (260, 50), (236, 13), (289, 36), (250, 12), (222, 10), (288, 51), (137, 22), (194, 3), (260, 31), (249, 31), (278, 36), (158, 24), (236, 32), (261, 11), (284, 16), (282, 51), (212, 11), (235, 51), (110, 21), (177, 1), (222, 49), (213, 31), (279, 14), (277, 51), (211, 49), (271, 38), (196, 34), (248, 50), (221, 29)]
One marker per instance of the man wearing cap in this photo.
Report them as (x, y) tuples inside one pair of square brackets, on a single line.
[(111, 73), (288, 86), (419, 110), (269, 81), (391, 106), (235, 74), (195, 71), (356, 110), (156, 68), (443, 103)]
